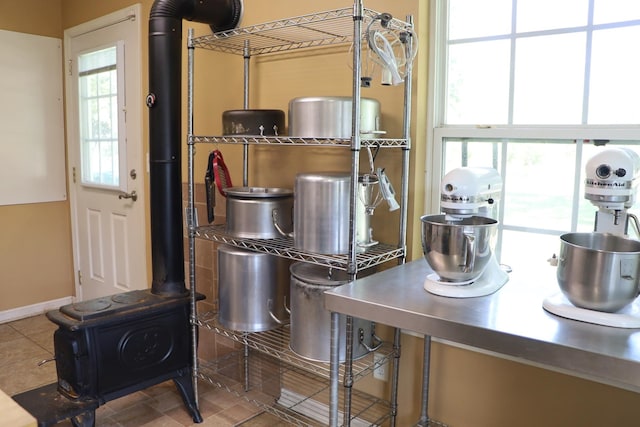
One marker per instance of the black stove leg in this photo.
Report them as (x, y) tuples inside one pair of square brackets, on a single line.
[(185, 387), (87, 419)]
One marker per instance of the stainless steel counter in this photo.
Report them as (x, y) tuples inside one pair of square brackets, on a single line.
[(511, 322)]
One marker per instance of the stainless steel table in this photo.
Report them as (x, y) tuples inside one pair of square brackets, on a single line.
[(510, 322)]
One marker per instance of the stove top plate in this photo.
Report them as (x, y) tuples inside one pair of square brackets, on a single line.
[(92, 306), (118, 305)]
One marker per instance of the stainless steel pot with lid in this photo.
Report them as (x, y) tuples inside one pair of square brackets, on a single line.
[(311, 322), (321, 212), (253, 289), (251, 212), (330, 117)]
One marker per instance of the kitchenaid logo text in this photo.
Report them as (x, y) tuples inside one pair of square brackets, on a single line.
[(609, 184), (468, 199)]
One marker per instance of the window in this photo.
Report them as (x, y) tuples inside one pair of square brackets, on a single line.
[(99, 115), (533, 88)]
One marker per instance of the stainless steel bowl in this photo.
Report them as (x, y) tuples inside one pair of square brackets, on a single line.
[(599, 271), (458, 251)]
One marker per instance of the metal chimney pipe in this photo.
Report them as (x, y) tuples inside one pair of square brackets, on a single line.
[(165, 131)]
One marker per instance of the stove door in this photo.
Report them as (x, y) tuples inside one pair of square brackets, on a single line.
[(142, 351), (72, 363)]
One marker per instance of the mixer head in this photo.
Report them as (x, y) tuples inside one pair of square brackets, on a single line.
[(611, 178), (469, 191), (611, 185)]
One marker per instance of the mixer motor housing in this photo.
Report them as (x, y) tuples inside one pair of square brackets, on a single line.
[(611, 185)]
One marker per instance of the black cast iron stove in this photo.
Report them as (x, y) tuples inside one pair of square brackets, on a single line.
[(110, 347)]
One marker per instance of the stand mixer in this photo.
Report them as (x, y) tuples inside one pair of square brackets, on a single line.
[(611, 186), (458, 244)]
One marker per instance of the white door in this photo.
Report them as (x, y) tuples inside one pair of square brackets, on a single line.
[(106, 168)]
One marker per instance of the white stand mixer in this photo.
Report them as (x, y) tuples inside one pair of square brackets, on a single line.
[(469, 192), (611, 185)]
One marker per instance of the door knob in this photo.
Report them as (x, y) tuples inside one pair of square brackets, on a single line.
[(133, 196)]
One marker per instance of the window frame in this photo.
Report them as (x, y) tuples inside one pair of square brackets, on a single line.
[(438, 132)]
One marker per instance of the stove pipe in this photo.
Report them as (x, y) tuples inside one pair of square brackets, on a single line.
[(165, 130)]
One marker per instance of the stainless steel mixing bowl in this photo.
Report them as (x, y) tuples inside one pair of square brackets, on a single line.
[(599, 271), (458, 251)]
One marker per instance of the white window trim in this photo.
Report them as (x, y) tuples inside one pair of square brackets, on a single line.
[(437, 132)]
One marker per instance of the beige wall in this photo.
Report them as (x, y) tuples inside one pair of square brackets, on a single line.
[(35, 247), (467, 388), (32, 16)]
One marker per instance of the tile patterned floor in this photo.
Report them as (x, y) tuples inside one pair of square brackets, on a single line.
[(26, 342)]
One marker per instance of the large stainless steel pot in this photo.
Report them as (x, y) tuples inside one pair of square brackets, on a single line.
[(330, 117), (599, 271), (458, 251), (253, 289), (251, 212), (311, 322), (321, 212), (253, 122)]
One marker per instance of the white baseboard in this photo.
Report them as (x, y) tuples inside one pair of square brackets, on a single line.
[(33, 310)]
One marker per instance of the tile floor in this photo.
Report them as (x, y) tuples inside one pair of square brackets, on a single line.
[(25, 342)]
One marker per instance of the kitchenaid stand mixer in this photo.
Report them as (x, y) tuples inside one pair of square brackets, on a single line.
[(611, 186), (469, 202)]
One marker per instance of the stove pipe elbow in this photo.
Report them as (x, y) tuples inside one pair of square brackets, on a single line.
[(165, 129)]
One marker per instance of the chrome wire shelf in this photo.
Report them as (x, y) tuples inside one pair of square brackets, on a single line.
[(333, 27), (285, 140), (283, 247), (275, 343), (291, 394), (228, 373)]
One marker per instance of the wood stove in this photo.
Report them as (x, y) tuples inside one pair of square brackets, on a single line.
[(110, 347)]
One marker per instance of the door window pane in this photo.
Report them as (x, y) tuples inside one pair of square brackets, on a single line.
[(98, 104), (549, 79)]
